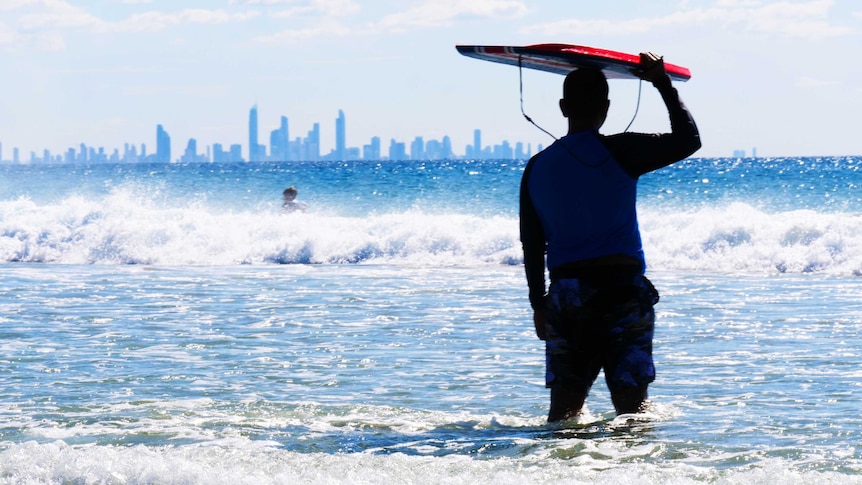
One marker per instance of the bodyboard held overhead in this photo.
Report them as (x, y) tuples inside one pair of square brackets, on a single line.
[(564, 58)]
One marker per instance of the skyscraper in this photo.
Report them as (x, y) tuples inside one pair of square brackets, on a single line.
[(477, 143), (279, 142), (163, 145), (372, 150), (191, 153), (417, 149), (236, 153), (397, 150), (311, 144), (253, 149), (340, 137)]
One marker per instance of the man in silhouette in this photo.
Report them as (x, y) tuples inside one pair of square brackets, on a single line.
[(577, 205)]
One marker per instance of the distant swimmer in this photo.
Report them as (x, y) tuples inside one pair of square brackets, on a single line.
[(290, 203), (578, 207)]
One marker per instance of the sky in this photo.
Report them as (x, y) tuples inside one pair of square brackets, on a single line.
[(783, 77)]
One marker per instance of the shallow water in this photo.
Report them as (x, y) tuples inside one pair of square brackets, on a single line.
[(292, 372), (169, 325)]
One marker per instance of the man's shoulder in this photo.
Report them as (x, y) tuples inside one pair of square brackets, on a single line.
[(627, 143), (532, 160)]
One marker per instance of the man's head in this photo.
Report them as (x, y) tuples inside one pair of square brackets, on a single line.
[(585, 97)]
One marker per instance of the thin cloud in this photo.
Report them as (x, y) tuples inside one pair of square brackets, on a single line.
[(156, 21), (110, 70), (295, 36), (58, 14), (44, 21), (13, 40), (16, 4), (802, 19), (807, 82), (330, 8), (7, 35), (431, 13), (198, 91), (336, 8), (738, 3), (442, 13), (263, 2)]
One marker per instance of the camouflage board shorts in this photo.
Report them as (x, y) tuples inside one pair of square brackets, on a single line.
[(600, 323)]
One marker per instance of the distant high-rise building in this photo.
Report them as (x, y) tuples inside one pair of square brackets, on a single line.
[(285, 132), (163, 145), (191, 153), (279, 143), (253, 146), (311, 144), (15, 155), (372, 150), (219, 155), (130, 153), (340, 137), (236, 153), (503, 151), (417, 149), (433, 150), (296, 149), (397, 150), (477, 143), (447, 148)]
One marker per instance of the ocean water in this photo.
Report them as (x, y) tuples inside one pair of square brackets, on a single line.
[(168, 324)]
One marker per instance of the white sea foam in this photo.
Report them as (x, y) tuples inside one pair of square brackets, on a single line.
[(120, 229), (739, 238), (58, 462)]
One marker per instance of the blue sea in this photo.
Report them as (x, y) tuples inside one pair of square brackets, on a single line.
[(168, 324)]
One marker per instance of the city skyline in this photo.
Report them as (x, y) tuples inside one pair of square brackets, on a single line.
[(776, 74), (281, 148)]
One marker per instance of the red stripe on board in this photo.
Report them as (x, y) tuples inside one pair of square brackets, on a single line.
[(563, 58)]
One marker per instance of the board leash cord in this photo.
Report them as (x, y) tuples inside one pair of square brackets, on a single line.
[(521, 93)]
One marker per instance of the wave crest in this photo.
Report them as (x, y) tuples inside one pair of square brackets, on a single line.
[(120, 229)]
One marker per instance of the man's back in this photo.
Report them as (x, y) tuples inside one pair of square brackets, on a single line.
[(584, 200)]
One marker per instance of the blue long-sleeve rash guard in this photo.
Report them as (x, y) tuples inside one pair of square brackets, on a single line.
[(578, 196)]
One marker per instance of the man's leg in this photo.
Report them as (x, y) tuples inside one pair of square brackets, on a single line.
[(566, 403), (629, 367), (629, 400)]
